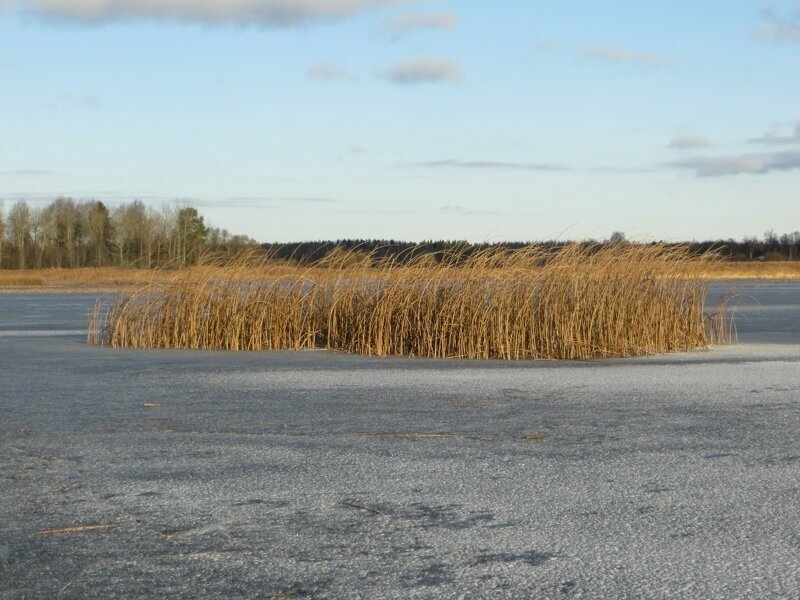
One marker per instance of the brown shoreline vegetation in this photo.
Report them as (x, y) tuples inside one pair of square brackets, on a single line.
[(104, 279), (580, 302)]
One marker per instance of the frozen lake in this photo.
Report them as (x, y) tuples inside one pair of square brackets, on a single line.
[(248, 475)]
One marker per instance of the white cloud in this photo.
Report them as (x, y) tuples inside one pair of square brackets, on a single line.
[(423, 70), (263, 12), (406, 23), (752, 164), (689, 142), (615, 54), (776, 27), (328, 72)]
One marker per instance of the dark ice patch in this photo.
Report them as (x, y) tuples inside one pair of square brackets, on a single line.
[(430, 576), (532, 558)]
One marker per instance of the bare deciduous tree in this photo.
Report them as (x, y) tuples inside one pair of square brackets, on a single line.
[(72, 234), (19, 220)]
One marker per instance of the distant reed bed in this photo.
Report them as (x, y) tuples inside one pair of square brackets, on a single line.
[(577, 302)]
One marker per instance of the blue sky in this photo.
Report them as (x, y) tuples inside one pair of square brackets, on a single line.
[(310, 119)]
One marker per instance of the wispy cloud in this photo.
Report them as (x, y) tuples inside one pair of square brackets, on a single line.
[(689, 142), (260, 201), (615, 54), (329, 72), (774, 139), (70, 101), (461, 210), (274, 13), (490, 165), (545, 45), (87, 101), (27, 173), (114, 198), (108, 197), (751, 164), (400, 25), (780, 28), (423, 70)]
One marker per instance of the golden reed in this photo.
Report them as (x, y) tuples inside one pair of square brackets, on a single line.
[(578, 302)]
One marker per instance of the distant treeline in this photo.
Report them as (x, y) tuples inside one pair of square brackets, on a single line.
[(71, 234), (770, 247)]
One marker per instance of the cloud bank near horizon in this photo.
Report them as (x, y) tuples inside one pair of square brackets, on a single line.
[(777, 140), (490, 165), (742, 164)]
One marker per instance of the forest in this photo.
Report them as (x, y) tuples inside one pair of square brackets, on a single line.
[(770, 247), (73, 234)]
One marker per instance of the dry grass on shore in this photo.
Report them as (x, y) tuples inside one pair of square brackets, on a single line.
[(581, 302), (779, 270), (43, 281), (95, 277)]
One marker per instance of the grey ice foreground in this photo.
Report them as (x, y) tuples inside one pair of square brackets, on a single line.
[(313, 474)]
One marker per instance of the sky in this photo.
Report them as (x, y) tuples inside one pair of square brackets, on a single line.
[(520, 120)]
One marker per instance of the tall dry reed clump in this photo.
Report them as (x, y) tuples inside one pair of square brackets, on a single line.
[(577, 302)]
